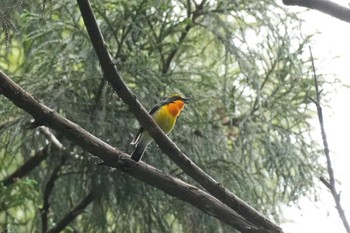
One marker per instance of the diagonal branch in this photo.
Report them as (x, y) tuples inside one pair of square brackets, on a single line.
[(71, 215), (192, 16), (113, 157), (324, 6), (35, 160), (331, 183), (28, 166), (165, 144)]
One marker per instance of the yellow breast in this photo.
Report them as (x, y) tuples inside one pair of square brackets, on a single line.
[(164, 119)]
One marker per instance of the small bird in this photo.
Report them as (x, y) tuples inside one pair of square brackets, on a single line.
[(165, 114)]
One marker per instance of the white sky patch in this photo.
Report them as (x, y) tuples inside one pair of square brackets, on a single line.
[(331, 49)]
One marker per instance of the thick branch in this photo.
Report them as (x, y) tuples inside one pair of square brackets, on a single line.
[(115, 158), (165, 144), (71, 215), (324, 6)]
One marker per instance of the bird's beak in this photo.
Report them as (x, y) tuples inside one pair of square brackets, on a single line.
[(186, 99)]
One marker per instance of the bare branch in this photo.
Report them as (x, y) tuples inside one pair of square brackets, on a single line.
[(331, 183), (192, 16), (35, 160), (47, 192), (326, 183), (71, 215), (165, 144), (53, 139), (28, 166), (113, 157), (324, 6)]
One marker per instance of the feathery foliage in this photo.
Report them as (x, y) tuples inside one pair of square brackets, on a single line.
[(247, 125)]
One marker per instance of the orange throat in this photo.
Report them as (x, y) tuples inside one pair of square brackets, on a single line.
[(175, 108)]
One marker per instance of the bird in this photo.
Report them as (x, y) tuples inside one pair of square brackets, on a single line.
[(164, 114)]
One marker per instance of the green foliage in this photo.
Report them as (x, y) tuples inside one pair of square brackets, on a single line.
[(247, 125), (16, 205)]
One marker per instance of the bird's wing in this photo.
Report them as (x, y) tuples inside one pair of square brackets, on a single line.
[(157, 106), (151, 112), (137, 137)]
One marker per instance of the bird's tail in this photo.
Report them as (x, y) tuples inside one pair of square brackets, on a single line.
[(138, 152)]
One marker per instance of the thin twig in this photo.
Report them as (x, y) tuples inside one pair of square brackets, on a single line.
[(192, 16), (53, 139), (331, 183)]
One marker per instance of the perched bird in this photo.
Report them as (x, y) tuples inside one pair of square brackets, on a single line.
[(165, 114)]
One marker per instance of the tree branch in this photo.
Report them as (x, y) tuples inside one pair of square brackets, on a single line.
[(113, 157), (34, 161), (195, 14), (28, 166), (331, 183), (53, 139), (71, 215), (165, 144), (324, 6), (47, 192)]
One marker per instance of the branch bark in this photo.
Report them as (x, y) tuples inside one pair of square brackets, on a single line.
[(324, 6), (114, 157), (165, 144)]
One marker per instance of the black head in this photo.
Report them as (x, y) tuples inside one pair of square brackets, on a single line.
[(176, 97)]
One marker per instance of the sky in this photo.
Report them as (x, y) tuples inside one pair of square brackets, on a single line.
[(331, 50)]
